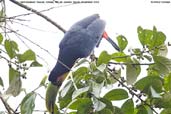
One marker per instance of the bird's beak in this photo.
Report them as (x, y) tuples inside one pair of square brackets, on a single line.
[(105, 35)]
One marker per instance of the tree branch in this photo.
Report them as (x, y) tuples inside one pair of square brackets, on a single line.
[(8, 108), (40, 14), (133, 93), (131, 63)]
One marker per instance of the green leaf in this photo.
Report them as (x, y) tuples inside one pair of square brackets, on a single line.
[(93, 66), (85, 107), (35, 64), (98, 76), (78, 92), (144, 35), (108, 103), (166, 111), (72, 112), (117, 110), (120, 57), (162, 51), (13, 74), (64, 101), (11, 47), (158, 38), (163, 102), (149, 110), (105, 111), (66, 88), (2, 15), (82, 105), (141, 35), (101, 67), (1, 82), (28, 103), (28, 55), (154, 94), (15, 87), (116, 94), (132, 71), (80, 71), (1, 38), (75, 103), (151, 71), (14, 83), (122, 42), (104, 58), (145, 83), (142, 110), (128, 107), (14, 45), (151, 38), (137, 51), (162, 65), (56, 110), (167, 82), (96, 89), (43, 81), (98, 105)]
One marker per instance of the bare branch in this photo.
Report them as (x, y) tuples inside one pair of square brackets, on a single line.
[(45, 10), (40, 14), (8, 108)]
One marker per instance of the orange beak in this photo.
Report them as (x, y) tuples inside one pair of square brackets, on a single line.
[(105, 35)]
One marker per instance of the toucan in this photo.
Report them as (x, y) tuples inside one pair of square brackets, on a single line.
[(78, 42)]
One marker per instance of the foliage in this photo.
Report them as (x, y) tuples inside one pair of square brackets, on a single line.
[(86, 89), (18, 64), (142, 93)]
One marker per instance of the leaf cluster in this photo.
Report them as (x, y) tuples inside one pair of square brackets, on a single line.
[(141, 92), (18, 64)]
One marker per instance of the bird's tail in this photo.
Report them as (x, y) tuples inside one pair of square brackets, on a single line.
[(51, 94)]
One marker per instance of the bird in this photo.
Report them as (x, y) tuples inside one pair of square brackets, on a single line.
[(78, 42)]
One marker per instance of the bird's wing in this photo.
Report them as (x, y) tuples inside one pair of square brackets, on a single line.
[(79, 35), (86, 21)]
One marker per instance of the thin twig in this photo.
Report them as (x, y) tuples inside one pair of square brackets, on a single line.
[(19, 35), (131, 63), (33, 28), (36, 44), (45, 10), (40, 95), (133, 93), (40, 14), (40, 48), (34, 91), (8, 108), (14, 63)]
